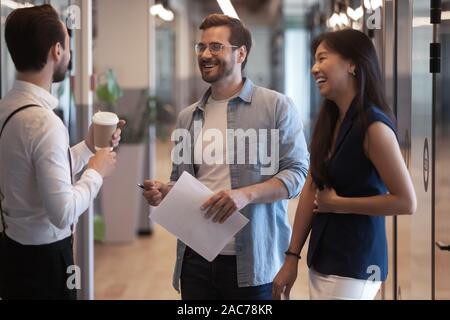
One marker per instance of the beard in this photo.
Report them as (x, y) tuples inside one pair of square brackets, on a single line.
[(60, 73), (222, 69)]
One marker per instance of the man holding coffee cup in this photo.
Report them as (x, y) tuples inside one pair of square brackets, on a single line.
[(39, 202)]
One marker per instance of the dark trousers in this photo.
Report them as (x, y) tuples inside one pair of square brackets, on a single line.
[(216, 280), (35, 272)]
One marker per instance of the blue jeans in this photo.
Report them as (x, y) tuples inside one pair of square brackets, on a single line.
[(216, 280)]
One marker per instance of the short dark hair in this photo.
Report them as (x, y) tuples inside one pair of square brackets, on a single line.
[(30, 33), (240, 35)]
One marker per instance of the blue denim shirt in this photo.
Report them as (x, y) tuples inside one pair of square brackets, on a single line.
[(260, 245)]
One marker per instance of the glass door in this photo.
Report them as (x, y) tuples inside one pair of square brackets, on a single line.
[(442, 125), (414, 111), (386, 49)]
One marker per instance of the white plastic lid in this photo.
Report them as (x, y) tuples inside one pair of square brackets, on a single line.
[(105, 118)]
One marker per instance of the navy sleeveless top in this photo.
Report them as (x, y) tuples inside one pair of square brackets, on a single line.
[(352, 245)]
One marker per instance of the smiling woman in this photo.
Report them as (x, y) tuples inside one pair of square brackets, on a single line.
[(357, 176)]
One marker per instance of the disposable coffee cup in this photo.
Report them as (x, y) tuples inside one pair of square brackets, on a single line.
[(105, 124)]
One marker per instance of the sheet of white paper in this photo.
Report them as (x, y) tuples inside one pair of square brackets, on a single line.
[(180, 214)]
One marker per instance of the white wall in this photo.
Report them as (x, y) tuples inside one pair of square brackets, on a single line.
[(122, 41)]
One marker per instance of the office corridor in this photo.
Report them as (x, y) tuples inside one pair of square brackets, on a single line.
[(143, 60)]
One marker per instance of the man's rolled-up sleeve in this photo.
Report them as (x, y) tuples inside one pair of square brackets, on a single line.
[(293, 151)]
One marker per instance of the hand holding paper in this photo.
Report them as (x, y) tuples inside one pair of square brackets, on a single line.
[(181, 215), (223, 204)]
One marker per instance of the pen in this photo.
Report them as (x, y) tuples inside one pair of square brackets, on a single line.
[(141, 186)]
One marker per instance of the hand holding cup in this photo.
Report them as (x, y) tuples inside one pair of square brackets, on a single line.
[(105, 131)]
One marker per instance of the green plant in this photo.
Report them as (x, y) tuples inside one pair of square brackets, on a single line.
[(108, 90), (99, 228), (148, 110), (145, 114)]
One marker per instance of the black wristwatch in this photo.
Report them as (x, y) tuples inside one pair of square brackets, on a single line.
[(290, 253)]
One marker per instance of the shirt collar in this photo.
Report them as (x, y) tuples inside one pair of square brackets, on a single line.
[(245, 95), (46, 98)]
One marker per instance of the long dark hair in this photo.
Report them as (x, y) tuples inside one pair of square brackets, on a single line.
[(355, 46)]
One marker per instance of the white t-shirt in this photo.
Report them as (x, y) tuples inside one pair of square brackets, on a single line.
[(213, 170)]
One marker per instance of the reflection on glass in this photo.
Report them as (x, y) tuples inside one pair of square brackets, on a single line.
[(442, 212)]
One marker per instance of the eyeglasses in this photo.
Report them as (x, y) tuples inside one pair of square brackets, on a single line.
[(214, 47)]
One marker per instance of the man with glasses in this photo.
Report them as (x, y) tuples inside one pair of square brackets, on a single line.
[(246, 266)]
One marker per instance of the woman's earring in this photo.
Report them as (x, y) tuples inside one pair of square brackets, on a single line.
[(353, 73)]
